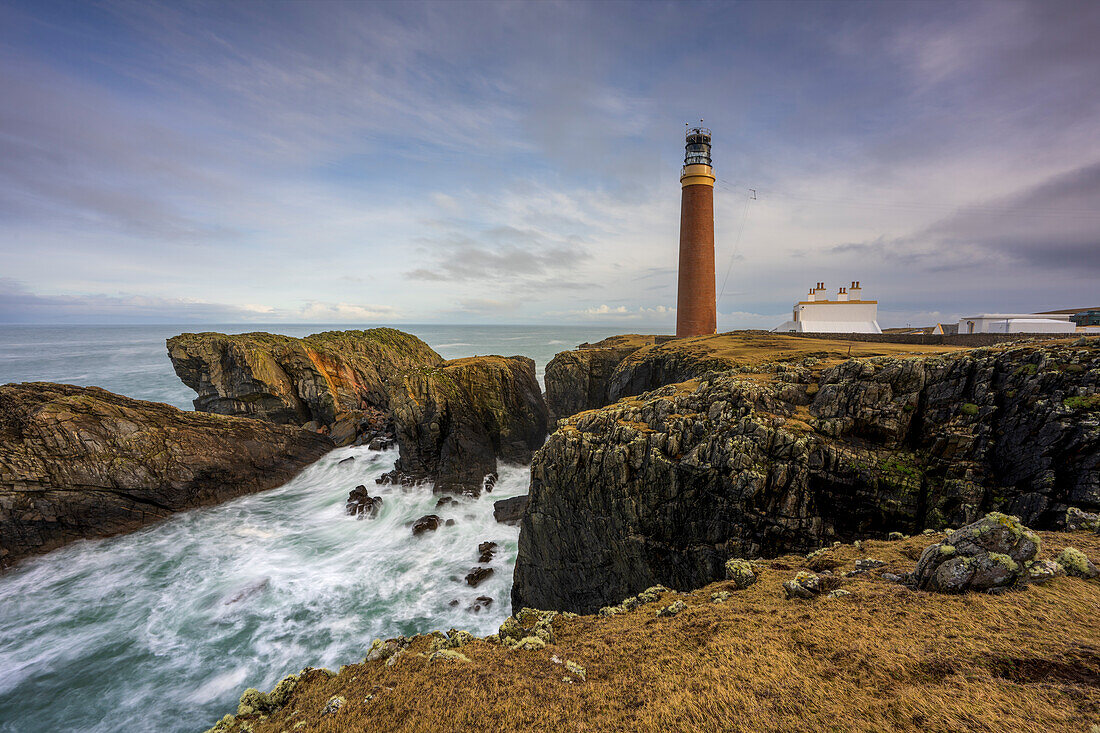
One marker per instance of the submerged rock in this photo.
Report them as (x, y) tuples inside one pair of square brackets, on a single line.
[(477, 575), (486, 551), (81, 462), (362, 505), (427, 523), (988, 554)]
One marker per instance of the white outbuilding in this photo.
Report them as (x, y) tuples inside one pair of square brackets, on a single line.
[(849, 313), (1017, 323)]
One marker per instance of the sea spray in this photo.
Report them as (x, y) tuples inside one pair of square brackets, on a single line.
[(162, 628)]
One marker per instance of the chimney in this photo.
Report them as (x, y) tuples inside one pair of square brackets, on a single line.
[(842, 295), (855, 291)]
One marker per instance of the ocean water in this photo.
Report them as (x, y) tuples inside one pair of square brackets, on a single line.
[(161, 629)]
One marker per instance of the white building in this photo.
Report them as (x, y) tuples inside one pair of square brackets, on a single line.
[(849, 313), (1017, 323)]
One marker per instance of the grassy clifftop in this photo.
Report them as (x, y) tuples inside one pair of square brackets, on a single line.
[(882, 658)]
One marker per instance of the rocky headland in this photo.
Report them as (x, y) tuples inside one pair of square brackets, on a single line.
[(81, 462), (452, 420), (795, 450), (595, 375), (335, 381)]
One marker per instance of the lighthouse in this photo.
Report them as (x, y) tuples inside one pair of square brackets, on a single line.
[(696, 313)]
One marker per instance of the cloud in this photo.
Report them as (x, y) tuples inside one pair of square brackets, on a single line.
[(346, 312)]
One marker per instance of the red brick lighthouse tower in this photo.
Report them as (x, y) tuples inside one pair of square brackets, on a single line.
[(695, 303)]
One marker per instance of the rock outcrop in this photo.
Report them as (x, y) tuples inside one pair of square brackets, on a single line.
[(578, 380), (595, 375), (80, 462), (455, 420), (989, 554), (336, 380), (788, 457)]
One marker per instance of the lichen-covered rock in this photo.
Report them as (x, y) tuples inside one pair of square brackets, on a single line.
[(990, 553), (453, 640), (740, 572), (333, 705), (576, 670), (868, 563), (671, 609), (720, 596), (448, 655), (895, 536), (455, 420), (803, 585), (280, 694), (838, 593), (384, 649), (1077, 563), (665, 487), (336, 378), (254, 702), (80, 462), (1040, 571), (1078, 520)]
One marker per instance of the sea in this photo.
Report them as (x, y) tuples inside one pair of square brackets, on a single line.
[(163, 628)]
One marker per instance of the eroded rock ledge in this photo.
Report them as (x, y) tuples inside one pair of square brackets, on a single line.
[(780, 457), (336, 379), (452, 420), (80, 462)]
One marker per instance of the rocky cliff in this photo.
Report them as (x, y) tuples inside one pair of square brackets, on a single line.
[(336, 379), (83, 462), (454, 421), (594, 375), (788, 456)]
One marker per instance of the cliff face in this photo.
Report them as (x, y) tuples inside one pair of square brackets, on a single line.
[(454, 421), (335, 379), (790, 456), (83, 462)]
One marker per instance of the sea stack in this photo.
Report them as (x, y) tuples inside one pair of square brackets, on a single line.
[(695, 302)]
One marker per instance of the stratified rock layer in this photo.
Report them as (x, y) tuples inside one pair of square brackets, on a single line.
[(454, 421), (335, 379), (80, 462), (665, 488)]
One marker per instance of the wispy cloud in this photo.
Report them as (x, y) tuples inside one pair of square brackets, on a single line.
[(422, 160)]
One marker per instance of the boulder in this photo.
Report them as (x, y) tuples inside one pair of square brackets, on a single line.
[(740, 572), (81, 462), (362, 505), (804, 585), (337, 379), (427, 523), (456, 420), (510, 511), (988, 554), (666, 486)]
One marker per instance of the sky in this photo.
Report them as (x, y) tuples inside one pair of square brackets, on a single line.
[(519, 162)]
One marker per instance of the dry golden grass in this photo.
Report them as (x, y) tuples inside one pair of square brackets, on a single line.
[(757, 347), (882, 659)]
